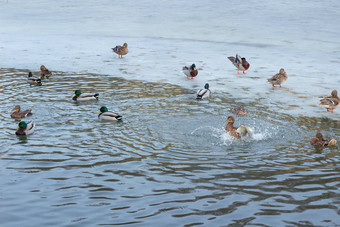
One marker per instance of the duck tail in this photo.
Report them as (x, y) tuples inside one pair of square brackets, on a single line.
[(332, 142), (245, 130)]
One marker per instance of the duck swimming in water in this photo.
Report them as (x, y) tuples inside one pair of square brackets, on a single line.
[(331, 102), (33, 80), (238, 110), (190, 71), (239, 63), (78, 96), (319, 141), (278, 78), (45, 72), (238, 132), (121, 50), (20, 114), (108, 115), (24, 128), (204, 92)]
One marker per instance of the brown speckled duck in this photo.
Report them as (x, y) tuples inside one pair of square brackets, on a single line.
[(239, 132), (240, 63), (190, 71), (20, 114), (319, 141), (45, 71), (331, 102), (278, 78), (238, 110), (121, 50)]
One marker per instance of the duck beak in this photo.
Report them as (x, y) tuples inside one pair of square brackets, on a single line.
[(227, 121), (17, 127), (73, 95), (98, 111)]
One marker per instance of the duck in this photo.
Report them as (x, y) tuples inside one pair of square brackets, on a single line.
[(238, 110), (24, 128), (204, 92), (331, 102), (78, 96), (190, 71), (108, 115), (238, 132), (45, 72), (22, 114), (319, 141), (121, 50), (33, 80), (278, 78), (240, 63)]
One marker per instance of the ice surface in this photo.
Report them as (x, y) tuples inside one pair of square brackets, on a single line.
[(77, 36)]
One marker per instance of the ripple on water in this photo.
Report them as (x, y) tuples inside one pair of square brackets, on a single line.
[(170, 158)]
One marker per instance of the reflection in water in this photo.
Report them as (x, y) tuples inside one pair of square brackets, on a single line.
[(169, 159)]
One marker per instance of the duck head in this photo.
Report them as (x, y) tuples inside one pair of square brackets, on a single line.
[(206, 86), (42, 68), (193, 67), (125, 45), (77, 93), (282, 71), (30, 74), (16, 108), (103, 109), (319, 136), (22, 125), (334, 93), (230, 119)]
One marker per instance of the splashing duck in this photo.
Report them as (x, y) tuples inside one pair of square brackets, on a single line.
[(20, 114), (24, 128), (121, 50), (190, 71), (33, 80), (238, 132), (240, 63), (278, 78), (204, 92), (108, 115), (238, 110), (78, 96), (331, 102), (319, 141), (45, 72)]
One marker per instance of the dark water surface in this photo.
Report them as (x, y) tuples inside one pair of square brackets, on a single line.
[(169, 162)]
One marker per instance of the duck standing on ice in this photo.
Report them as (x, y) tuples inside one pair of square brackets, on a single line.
[(278, 78), (330, 102), (240, 63), (121, 50), (190, 71)]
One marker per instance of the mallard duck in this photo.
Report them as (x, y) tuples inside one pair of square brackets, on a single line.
[(24, 128), (240, 63), (330, 102), (45, 71), (78, 96), (278, 78), (204, 92), (238, 110), (239, 132), (22, 114), (190, 71), (33, 80), (121, 50), (108, 115), (319, 141)]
